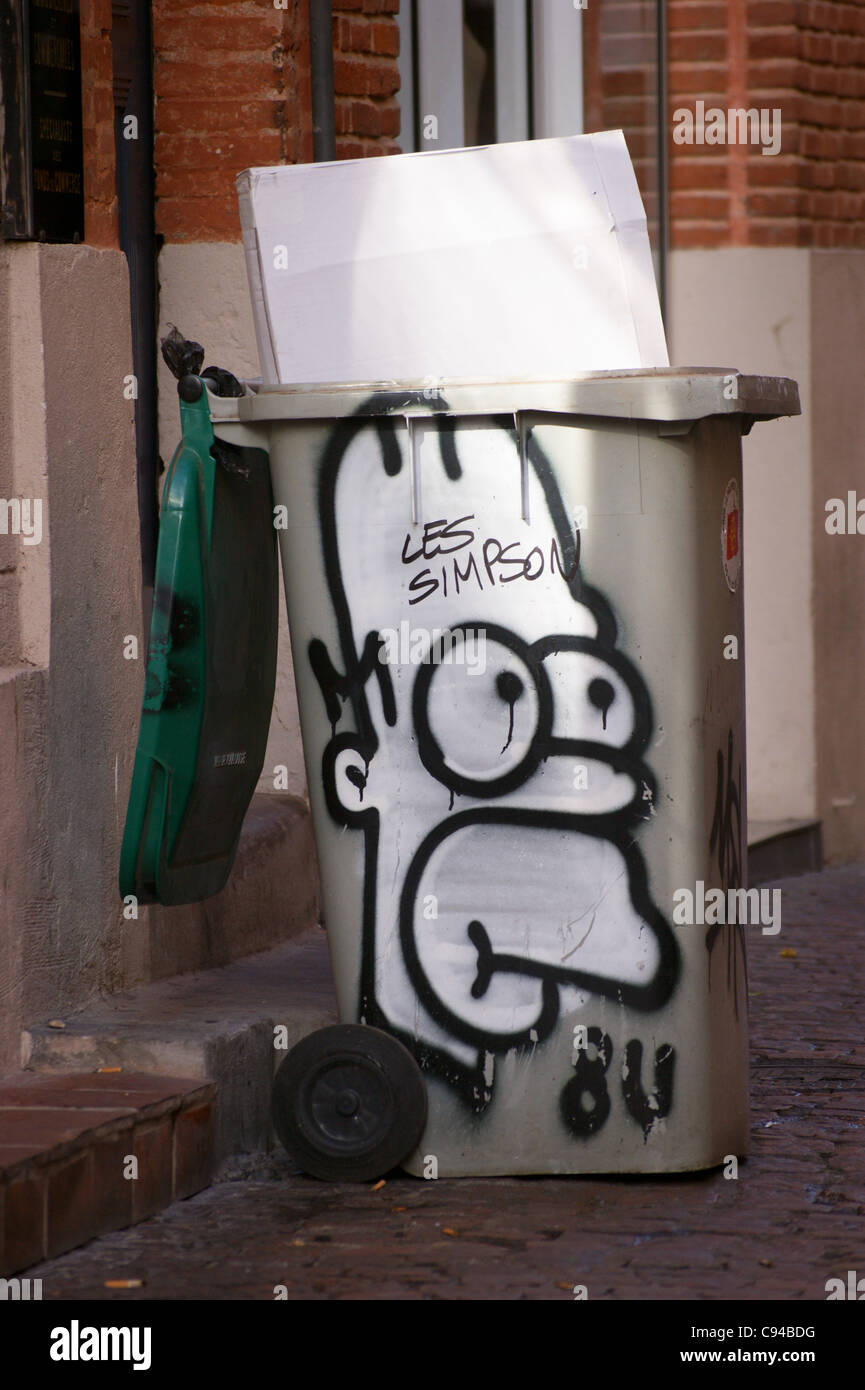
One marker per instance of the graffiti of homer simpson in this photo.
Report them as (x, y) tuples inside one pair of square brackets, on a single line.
[(497, 774)]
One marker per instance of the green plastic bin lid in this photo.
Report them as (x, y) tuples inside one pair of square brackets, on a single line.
[(211, 667)]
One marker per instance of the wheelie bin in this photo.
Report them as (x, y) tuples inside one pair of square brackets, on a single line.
[(516, 615)]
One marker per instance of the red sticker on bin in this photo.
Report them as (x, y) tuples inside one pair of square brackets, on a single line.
[(731, 554)]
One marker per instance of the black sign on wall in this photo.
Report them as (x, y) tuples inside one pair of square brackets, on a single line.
[(41, 159)]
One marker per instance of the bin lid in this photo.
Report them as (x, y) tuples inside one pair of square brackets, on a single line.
[(663, 394)]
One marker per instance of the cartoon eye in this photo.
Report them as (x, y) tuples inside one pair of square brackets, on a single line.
[(593, 701), (483, 716), (602, 695)]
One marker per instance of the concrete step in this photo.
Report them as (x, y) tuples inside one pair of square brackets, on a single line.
[(783, 849), (271, 896), (83, 1154), (215, 1025)]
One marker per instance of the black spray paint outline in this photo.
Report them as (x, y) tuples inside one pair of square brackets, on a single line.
[(350, 688), (728, 841), (645, 997), (544, 743)]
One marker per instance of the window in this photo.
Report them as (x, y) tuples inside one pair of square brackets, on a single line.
[(475, 72)]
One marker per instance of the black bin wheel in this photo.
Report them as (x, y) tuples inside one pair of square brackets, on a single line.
[(349, 1103)]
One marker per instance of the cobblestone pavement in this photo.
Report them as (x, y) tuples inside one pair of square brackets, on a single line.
[(793, 1219)]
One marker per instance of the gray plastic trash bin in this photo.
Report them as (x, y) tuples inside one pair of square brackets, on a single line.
[(516, 616)]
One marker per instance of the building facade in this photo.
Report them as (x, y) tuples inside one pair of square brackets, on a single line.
[(758, 226)]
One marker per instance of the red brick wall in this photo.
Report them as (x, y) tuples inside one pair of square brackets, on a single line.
[(620, 84), (232, 90), (97, 102), (804, 57), (231, 86), (365, 77), (698, 57)]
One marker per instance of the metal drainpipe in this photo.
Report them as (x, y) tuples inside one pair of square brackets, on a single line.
[(321, 73)]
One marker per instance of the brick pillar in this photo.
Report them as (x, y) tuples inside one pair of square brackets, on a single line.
[(232, 90), (366, 79), (97, 102), (804, 60)]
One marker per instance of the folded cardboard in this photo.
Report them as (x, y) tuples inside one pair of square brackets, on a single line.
[(513, 261)]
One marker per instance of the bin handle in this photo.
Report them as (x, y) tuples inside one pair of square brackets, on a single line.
[(522, 445), (414, 469), (414, 462)]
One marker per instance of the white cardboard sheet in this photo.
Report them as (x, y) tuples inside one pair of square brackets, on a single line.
[(511, 261)]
